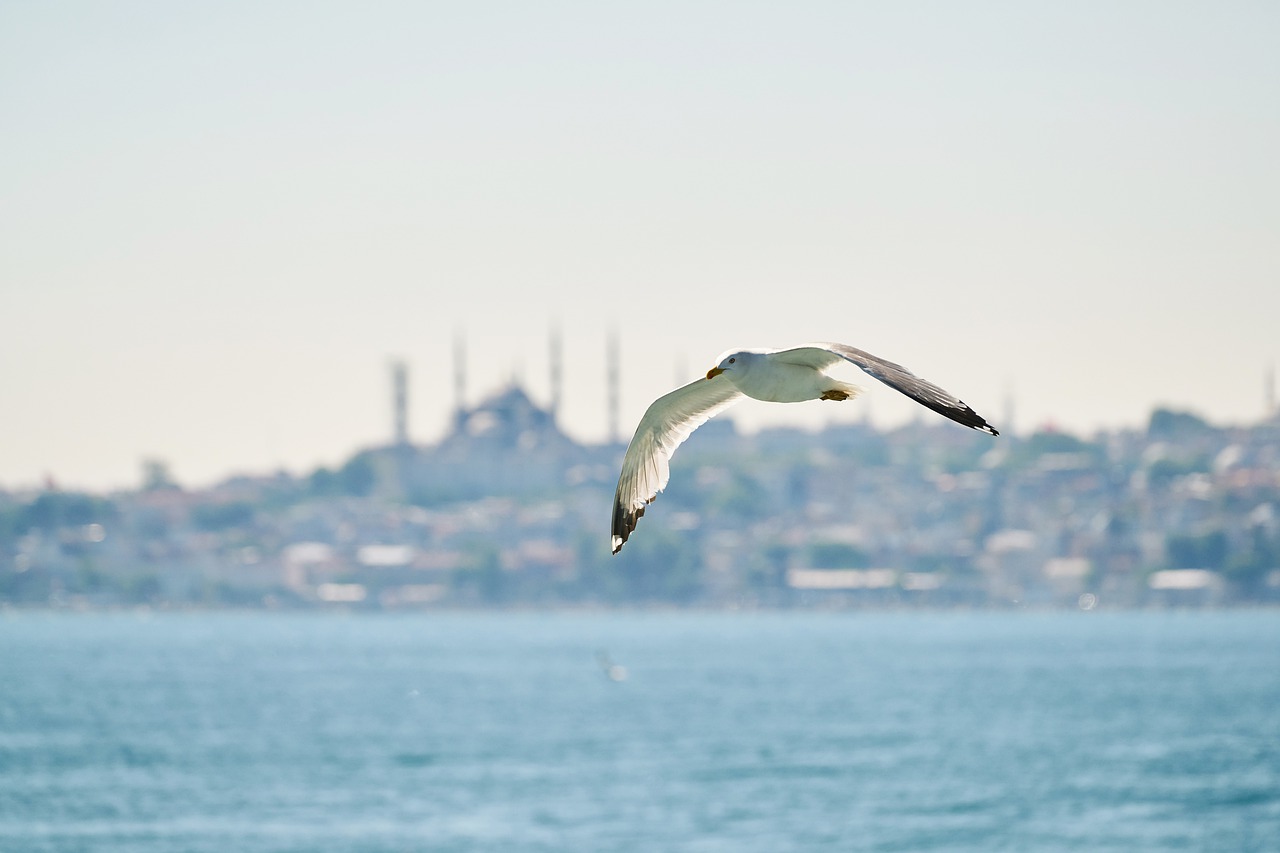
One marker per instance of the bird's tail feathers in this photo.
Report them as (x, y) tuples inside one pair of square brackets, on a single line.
[(851, 390)]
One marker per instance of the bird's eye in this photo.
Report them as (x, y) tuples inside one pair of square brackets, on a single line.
[(732, 360)]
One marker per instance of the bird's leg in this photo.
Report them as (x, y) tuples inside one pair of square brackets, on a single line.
[(835, 394)]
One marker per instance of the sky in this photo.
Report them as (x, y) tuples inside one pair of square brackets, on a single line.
[(220, 222)]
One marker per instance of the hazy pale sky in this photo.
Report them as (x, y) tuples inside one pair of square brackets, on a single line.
[(220, 221)]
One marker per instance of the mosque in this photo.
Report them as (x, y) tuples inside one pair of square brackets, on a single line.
[(506, 444)]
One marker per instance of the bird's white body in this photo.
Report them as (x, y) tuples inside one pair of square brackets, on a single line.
[(761, 375), (774, 376)]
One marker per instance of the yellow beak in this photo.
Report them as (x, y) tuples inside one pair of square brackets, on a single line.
[(714, 372)]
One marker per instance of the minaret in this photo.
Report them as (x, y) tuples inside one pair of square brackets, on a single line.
[(611, 380), (1006, 428), (400, 402), (557, 374), (459, 375), (1270, 391)]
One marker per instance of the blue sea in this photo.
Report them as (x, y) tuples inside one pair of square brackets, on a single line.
[(905, 731)]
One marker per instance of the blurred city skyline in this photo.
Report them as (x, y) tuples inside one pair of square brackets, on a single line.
[(223, 223), (466, 404)]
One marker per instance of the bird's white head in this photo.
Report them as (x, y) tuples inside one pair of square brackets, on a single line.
[(733, 360)]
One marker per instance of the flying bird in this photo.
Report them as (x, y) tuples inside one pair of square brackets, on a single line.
[(772, 375)]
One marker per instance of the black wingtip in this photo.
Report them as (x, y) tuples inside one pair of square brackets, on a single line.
[(624, 523), (965, 416), (978, 422)]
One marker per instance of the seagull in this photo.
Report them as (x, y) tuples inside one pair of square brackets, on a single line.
[(773, 375)]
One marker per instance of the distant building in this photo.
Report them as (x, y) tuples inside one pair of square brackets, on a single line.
[(506, 445)]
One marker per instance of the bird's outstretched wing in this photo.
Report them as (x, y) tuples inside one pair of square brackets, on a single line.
[(669, 420), (824, 354)]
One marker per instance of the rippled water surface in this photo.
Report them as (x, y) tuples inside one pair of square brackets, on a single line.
[(731, 732)]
